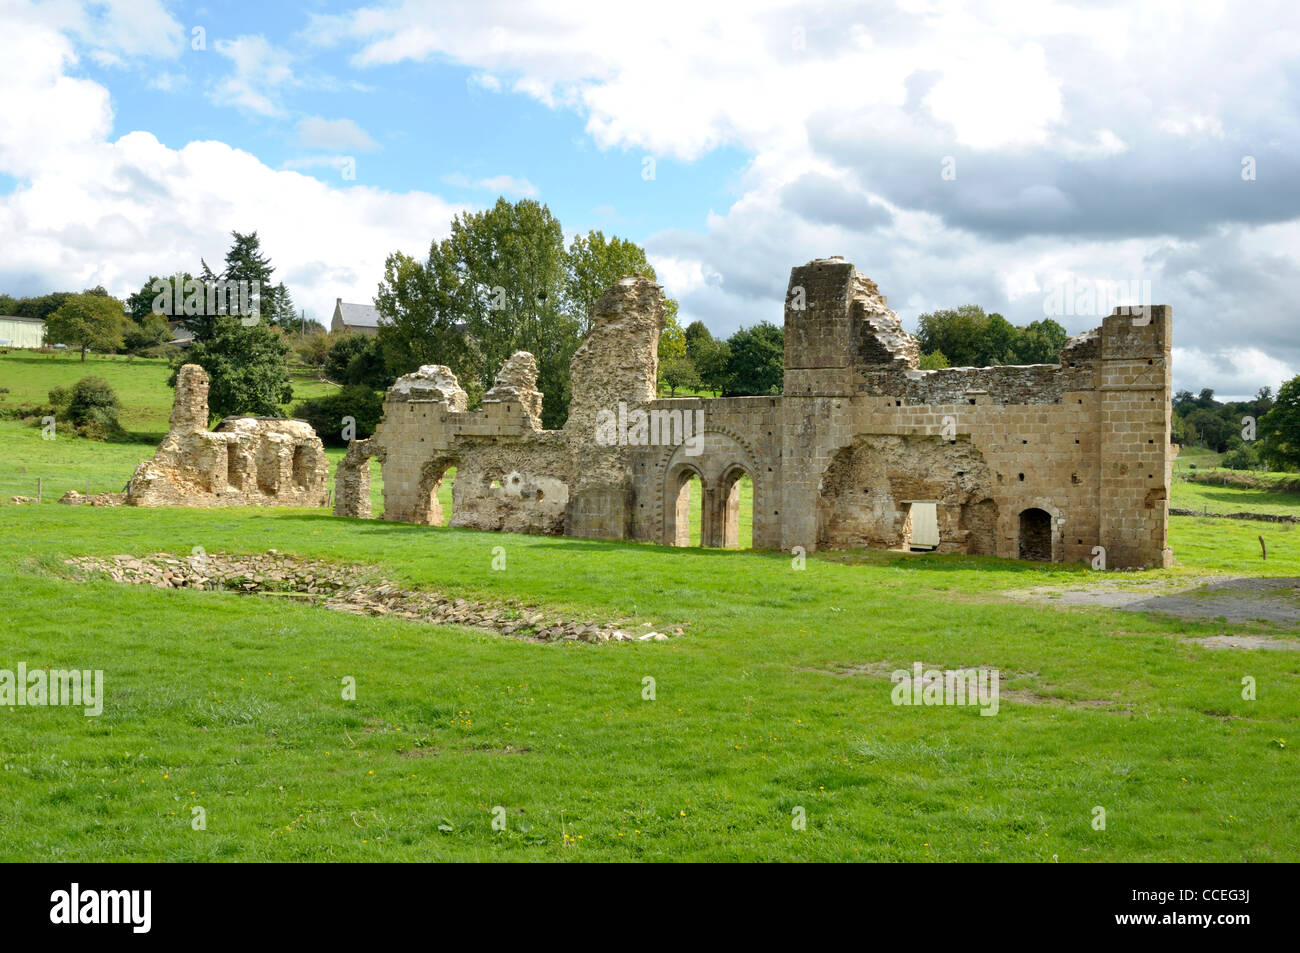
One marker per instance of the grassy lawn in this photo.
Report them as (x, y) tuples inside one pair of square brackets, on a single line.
[(777, 698), (141, 384), (233, 703), (1204, 497)]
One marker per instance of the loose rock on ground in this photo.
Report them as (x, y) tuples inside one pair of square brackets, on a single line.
[(348, 588)]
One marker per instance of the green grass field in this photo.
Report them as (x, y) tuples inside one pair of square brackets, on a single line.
[(776, 700)]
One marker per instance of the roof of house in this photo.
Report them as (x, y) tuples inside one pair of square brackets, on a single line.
[(14, 317), (358, 315)]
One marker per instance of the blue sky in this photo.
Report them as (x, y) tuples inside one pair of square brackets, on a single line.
[(957, 153), (431, 127)]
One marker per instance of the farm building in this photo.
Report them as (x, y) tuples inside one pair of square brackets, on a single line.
[(22, 332)]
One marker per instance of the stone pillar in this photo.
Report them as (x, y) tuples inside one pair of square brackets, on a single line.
[(352, 482), (190, 407), (1134, 385)]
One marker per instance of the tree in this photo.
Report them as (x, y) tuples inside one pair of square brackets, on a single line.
[(154, 330), (712, 358), (246, 370), (679, 372), (163, 297), (357, 359), (1041, 342), (314, 348), (967, 337), (757, 361), (501, 282), (592, 264), (93, 407), (955, 333), (420, 322), (672, 341), (285, 313), (933, 361), (1213, 429), (1279, 429), (326, 414), (87, 321), (511, 267), (41, 307)]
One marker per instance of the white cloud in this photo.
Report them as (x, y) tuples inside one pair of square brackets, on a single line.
[(260, 72), (334, 135), (501, 184), (1231, 372), (91, 210)]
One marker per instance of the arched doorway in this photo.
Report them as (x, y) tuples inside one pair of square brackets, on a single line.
[(685, 502), (736, 495), (434, 498), (1035, 535)]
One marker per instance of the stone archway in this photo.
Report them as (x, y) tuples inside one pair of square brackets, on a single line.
[(719, 465), (1034, 541), (677, 503), (428, 508), (728, 511)]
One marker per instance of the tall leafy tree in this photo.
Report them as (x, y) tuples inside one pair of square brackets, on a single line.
[(245, 363), (712, 358), (1279, 429), (757, 361), (967, 337), (502, 281), (245, 366), (87, 321), (420, 320), (1041, 342)]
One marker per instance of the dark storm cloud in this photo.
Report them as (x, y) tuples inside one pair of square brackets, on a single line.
[(821, 199)]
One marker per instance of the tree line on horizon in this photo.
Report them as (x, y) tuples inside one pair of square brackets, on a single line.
[(503, 281)]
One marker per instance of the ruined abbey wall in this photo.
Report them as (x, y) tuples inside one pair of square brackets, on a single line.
[(1040, 462), (245, 461)]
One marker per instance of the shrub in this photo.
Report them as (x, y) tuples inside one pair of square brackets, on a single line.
[(152, 332), (326, 414), (357, 359), (1241, 458), (91, 406)]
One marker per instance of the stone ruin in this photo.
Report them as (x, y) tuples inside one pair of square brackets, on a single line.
[(1045, 462), (245, 461)]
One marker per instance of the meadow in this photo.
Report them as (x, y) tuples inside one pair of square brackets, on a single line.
[(774, 705)]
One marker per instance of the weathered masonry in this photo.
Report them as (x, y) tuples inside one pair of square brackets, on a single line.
[(246, 461), (1043, 462)]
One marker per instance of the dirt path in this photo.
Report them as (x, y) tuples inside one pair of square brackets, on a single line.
[(1234, 599)]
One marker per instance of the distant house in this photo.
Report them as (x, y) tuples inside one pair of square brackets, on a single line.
[(22, 332), (361, 318), (181, 335)]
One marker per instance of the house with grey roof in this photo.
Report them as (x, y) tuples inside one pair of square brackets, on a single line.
[(361, 318)]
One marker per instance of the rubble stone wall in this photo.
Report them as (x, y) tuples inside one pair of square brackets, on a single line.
[(1048, 461), (245, 461)]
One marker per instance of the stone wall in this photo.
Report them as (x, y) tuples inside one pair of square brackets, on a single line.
[(1046, 461), (246, 461)]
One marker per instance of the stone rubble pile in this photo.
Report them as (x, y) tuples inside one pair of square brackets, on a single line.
[(352, 589)]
